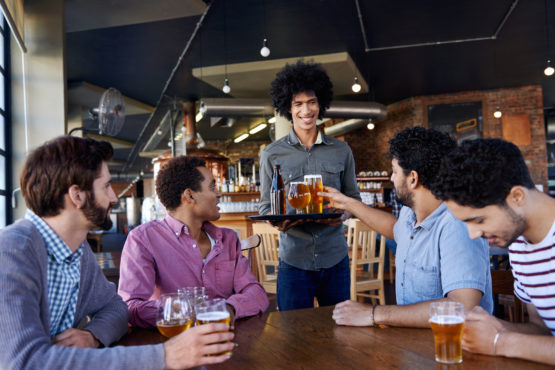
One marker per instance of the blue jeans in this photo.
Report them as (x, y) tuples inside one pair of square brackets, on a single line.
[(296, 288)]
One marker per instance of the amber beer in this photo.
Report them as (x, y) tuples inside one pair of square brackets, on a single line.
[(447, 322), (171, 329), (299, 195), (315, 185)]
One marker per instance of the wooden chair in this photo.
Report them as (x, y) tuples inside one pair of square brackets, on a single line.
[(247, 245), (267, 255), (366, 251), (502, 282)]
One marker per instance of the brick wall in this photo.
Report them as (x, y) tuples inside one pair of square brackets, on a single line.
[(370, 148)]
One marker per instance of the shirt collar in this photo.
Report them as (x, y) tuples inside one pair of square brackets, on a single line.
[(179, 228), (55, 246), (320, 139), (429, 221)]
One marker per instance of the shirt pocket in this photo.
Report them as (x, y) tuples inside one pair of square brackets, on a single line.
[(290, 174), (425, 281), (331, 174), (225, 272)]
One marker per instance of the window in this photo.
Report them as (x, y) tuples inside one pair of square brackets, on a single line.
[(5, 142)]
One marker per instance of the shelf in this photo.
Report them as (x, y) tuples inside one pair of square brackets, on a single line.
[(242, 193), (371, 190), (378, 178)]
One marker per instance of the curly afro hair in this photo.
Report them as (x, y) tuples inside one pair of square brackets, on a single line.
[(421, 150), (297, 78), (482, 172), (177, 175)]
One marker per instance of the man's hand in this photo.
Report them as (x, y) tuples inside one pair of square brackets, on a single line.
[(335, 198), (479, 331), (76, 338), (353, 313), (192, 347)]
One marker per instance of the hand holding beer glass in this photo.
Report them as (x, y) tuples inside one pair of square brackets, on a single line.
[(212, 311), (174, 315), (315, 185), (447, 322), (299, 196)]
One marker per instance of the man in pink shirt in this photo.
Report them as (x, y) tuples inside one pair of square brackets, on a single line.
[(185, 249)]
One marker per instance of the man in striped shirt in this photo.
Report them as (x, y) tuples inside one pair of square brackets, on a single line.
[(486, 184)]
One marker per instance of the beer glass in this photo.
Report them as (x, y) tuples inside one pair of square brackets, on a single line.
[(447, 322), (315, 185), (212, 311), (174, 314), (299, 195)]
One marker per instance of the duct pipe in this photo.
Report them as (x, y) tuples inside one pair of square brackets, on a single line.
[(225, 107), (345, 126), (222, 107)]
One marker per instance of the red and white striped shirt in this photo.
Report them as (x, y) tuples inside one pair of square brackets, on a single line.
[(534, 271)]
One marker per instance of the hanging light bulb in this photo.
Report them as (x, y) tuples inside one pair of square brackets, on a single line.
[(497, 113), (226, 89), (549, 70), (356, 86), (370, 126), (265, 51)]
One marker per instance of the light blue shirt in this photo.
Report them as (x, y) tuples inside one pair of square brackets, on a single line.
[(63, 276), (437, 257)]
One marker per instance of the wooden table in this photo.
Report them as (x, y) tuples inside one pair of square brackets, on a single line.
[(309, 339)]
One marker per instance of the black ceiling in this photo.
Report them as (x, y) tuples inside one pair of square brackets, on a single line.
[(138, 59)]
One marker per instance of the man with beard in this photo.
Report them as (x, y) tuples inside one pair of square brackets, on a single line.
[(56, 306), (185, 249), (435, 260), (486, 184)]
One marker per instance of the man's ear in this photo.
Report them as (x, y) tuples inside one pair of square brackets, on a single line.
[(76, 196), (187, 197), (413, 179), (517, 196)]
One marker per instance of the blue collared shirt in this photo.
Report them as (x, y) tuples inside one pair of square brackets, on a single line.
[(63, 276), (309, 246), (437, 257)]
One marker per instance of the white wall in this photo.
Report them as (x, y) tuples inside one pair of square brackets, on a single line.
[(45, 84)]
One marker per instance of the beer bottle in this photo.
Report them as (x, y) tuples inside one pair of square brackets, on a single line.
[(278, 193)]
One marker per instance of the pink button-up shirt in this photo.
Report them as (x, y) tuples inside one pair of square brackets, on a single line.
[(160, 257)]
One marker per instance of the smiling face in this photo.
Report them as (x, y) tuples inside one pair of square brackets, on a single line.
[(207, 198), (304, 110), (500, 225), (399, 180)]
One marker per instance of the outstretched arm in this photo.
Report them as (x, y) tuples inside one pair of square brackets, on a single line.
[(378, 220)]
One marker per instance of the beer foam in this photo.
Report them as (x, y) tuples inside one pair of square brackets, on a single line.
[(212, 316), (447, 319)]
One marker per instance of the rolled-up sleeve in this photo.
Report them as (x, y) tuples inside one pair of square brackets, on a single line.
[(250, 297)]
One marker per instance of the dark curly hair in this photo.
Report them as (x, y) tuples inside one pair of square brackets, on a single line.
[(52, 168), (298, 78), (482, 172), (177, 175), (421, 150)]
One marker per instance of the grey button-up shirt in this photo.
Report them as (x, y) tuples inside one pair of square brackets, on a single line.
[(309, 246)]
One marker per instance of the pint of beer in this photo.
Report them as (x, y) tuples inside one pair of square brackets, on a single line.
[(174, 315), (447, 322), (212, 311), (315, 185), (299, 195)]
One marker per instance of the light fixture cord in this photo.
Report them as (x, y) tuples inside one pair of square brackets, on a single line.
[(546, 31), (225, 37)]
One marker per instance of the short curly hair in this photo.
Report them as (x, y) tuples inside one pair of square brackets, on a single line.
[(177, 175), (482, 172), (297, 78), (421, 150)]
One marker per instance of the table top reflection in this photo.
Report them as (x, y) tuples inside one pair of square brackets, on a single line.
[(310, 339)]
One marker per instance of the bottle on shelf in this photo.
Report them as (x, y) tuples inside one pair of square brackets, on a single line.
[(277, 200)]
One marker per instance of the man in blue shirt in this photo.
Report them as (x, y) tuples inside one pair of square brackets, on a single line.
[(436, 259)]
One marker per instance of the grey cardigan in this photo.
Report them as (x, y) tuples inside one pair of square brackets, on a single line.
[(25, 318)]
